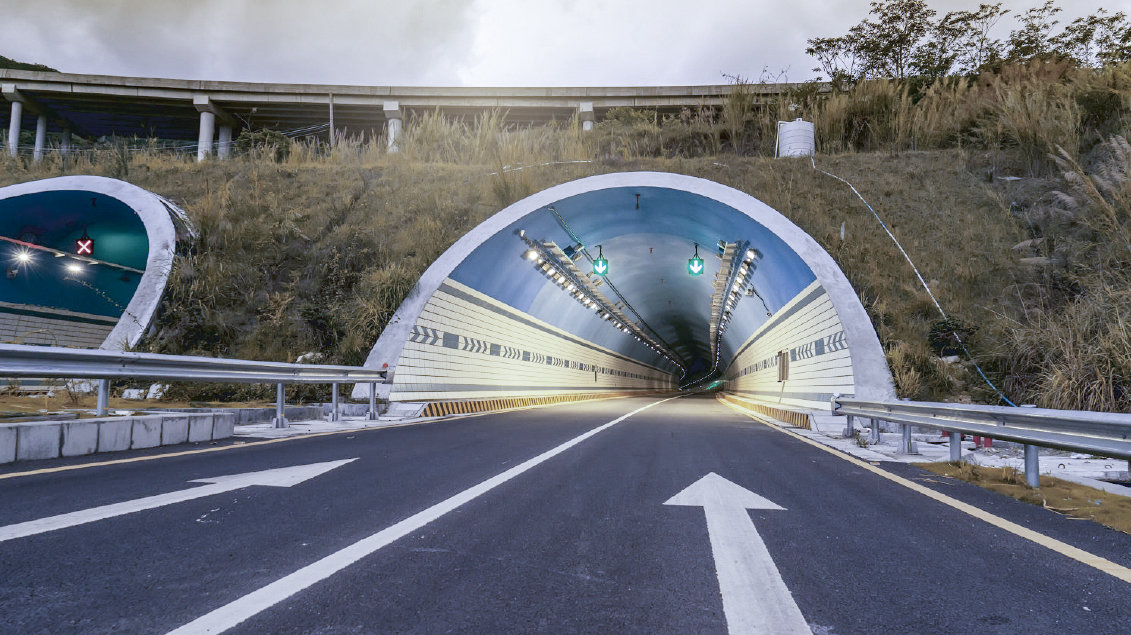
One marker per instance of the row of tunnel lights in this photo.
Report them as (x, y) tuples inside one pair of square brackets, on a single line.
[(745, 270), (586, 300), (25, 257)]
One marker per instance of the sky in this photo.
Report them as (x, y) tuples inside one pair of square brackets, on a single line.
[(444, 42)]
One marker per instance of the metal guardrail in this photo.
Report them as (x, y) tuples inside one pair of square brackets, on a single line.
[(18, 360), (1100, 433)]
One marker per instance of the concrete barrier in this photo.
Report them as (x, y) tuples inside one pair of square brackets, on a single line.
[(7, 442), (114, 435), (30, 440), (223, 425), (174, 430), (200, 427), (146, 432), (80, 438), (38, 440)]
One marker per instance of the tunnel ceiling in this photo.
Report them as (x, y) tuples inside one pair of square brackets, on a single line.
[(647, 234)]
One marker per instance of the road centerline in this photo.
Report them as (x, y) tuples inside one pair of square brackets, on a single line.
[(243, 608)]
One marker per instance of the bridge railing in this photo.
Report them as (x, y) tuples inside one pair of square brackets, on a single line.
[(1099, 433), (18, 360)]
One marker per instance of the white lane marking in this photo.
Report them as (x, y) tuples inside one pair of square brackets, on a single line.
[(260, 600), (755, 598), (279, 477)]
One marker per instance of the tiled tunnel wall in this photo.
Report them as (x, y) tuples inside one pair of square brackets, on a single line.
[(808, 333), (466, 345)]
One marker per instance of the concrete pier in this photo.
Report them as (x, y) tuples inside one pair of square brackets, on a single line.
[(204, 140), (393, 124), (14, 129), (224, 146), (40, 138)]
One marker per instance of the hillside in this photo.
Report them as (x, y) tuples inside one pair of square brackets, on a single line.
[(1022, 232), (24, 66)]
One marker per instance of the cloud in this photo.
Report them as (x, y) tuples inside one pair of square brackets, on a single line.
[(440, 42)]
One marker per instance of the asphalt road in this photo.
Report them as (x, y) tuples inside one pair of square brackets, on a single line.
[(580, 541)]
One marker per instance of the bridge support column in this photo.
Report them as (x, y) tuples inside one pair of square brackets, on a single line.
[(204, 139), (585, 114), (393, 124), (40, 138), (65, 143), (224, 146), (1032, 466), (14, 129)]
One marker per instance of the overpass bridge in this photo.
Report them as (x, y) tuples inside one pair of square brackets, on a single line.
[(214, 112)]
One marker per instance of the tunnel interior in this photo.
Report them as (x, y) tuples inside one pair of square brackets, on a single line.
[(85, 258), (518, 306), (647, 235)]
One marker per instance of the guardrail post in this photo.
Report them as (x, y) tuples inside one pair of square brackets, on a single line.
[(905, 441), (849, 428), (955, 446), (103, 398), (334, 414), (372, 414), (875, 431), (280, 420), (1032, 467)]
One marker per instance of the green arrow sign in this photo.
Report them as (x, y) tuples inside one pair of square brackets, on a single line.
[(601, 266), (695, 266)]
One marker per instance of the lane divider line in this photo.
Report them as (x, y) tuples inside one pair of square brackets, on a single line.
[(235, 612), (297, 437), (1097, 562)]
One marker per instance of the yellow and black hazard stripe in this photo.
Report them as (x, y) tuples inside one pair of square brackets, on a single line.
[(454, 407), (792, 417)]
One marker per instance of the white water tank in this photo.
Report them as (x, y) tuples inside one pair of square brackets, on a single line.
[(795, 138)]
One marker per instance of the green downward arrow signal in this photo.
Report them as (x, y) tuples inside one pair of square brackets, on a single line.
[(695, 266), (600, 266)]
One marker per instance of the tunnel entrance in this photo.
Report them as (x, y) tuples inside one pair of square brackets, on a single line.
[(633, 282), (85, 258)]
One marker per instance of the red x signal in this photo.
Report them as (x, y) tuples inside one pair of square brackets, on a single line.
[(84, 246)]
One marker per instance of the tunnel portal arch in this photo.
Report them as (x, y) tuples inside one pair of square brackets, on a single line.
[(482, 323), (107, 298)]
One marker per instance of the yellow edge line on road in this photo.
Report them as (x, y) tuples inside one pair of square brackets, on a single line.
[(1063, 548), (154, 457)]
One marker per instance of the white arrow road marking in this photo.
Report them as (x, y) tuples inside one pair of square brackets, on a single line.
[(279, 477), (241, 609), (755, 598)]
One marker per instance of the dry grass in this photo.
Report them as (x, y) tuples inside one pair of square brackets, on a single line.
[(314, 252), (1057, 495)]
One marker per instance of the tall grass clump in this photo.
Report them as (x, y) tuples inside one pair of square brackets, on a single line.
[(1072, 346)]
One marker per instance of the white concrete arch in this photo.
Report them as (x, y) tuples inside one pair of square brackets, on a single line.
[(156, 214), (869, 372)]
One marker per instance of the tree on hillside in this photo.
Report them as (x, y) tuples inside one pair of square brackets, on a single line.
[(838, 57), (889, 43), (1095, 40), (975, 49), (1033, 37)]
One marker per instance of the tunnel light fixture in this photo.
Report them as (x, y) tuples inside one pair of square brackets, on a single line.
[(74, 267), (560, 268), (23, 256)]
